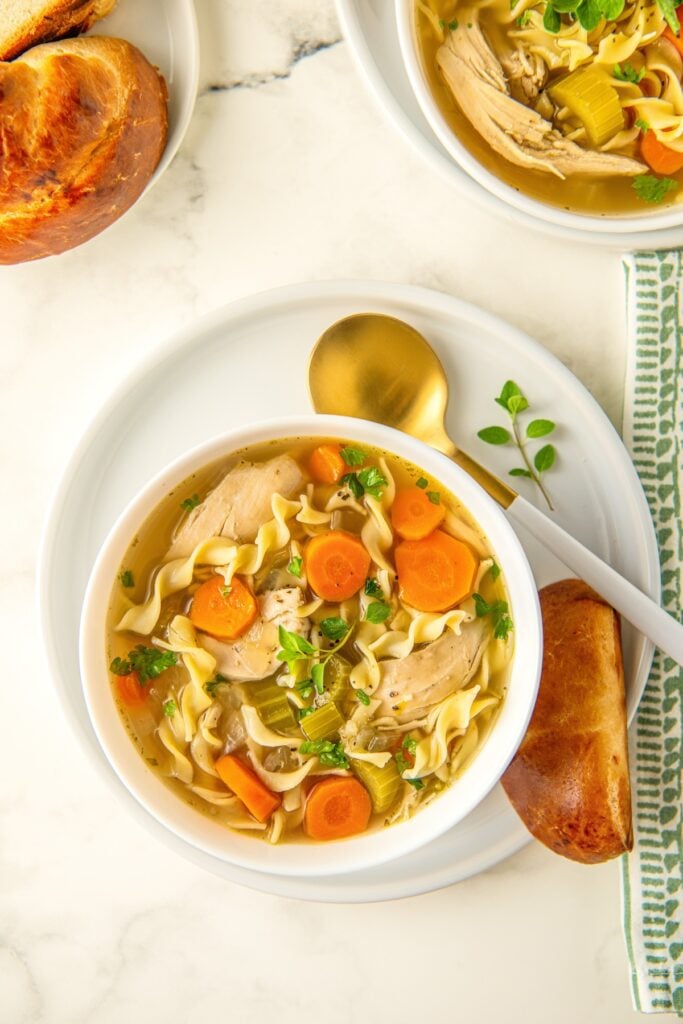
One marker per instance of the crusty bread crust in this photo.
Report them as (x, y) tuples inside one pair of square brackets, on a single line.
[(83, 124), (54, 19), (569, 780)]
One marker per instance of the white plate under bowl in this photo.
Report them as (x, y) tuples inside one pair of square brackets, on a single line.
[(257, 350), (370, 28), (166, 32)]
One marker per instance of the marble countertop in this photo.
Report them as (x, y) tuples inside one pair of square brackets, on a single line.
[(288, 173)]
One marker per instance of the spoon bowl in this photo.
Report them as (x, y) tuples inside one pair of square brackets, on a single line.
[(376, 367)]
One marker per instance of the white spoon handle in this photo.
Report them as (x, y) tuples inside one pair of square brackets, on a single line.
[(639, 609)]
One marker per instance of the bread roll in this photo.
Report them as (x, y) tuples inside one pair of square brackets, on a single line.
[(84, 124), (24, 23), (569, 780)]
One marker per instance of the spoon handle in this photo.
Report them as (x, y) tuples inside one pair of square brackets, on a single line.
[(635, 606)]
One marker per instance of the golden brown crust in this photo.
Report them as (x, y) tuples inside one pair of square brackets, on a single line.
[(56, 20), (569, 780), (83, 124)]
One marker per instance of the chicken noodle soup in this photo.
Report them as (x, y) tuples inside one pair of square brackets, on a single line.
[(309, 639), (577, 103)]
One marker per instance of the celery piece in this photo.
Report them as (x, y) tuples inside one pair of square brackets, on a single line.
[(589, 95), (270, 701), (337, 672), (322, 723), (382, 784)]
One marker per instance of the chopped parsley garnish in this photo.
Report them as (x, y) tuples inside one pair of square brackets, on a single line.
[(494, 570), (353, 456), (627, 73), (415, 783), (212, 686), (378, 611), (296, 648), (189, 503), (334, 628), (127, 579), (434, 497), (453, 24), (405, 757), (422, 482), (303, 712), (372, 587), (363, 697), (295, 566), (328, 753), (654, 190), (502, 623), (643, 125), (170, 707), (148, 662), (366, 481), (523, 20), (226, 591)]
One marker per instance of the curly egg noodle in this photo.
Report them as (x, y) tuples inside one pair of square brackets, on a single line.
[(635, 52), (195, 714)]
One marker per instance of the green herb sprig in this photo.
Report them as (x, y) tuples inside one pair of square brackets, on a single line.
[(295, 648), (189, 503), (502, 623), (654, 190), (366, 481), (587, 12), (327, 752), (126, 578), (513, 401), (148, 662)]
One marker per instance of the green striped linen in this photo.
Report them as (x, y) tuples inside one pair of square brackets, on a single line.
[(653, 431)]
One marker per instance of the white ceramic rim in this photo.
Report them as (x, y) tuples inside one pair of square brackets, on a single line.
[(639, 225), (294, 859), (190, 30)]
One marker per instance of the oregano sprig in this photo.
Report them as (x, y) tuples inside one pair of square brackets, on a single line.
[(514, 402)]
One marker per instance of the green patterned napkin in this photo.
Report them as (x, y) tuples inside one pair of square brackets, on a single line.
[(653, 432)]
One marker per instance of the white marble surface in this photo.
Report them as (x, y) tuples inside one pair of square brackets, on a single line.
[(287, 173)]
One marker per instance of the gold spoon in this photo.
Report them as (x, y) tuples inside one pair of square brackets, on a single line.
[(375, 367)]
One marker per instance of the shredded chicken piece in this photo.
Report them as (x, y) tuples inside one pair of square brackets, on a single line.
[(475, 77), (240, 504), (410, 686), (254, 655), (526, 74)]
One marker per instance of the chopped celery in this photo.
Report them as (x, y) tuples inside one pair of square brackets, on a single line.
[(382, 784), (589, 95), (270, 700), (337, 672), (322, 723)]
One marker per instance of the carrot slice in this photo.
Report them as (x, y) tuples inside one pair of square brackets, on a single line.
[(436, 572), (326, 464), (660, 158), (131, 690), (336, 565), (414, 515), (337, 807), (246, 785), (223, 611)]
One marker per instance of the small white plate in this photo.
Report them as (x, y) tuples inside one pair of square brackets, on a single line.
[(370, 28), (248, 362), (166, 32)]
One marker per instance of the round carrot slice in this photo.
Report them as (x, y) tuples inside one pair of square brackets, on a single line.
[(336, 564), (326, 464), (223, 611), (436, 572), (336, 808), (414, 514)]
